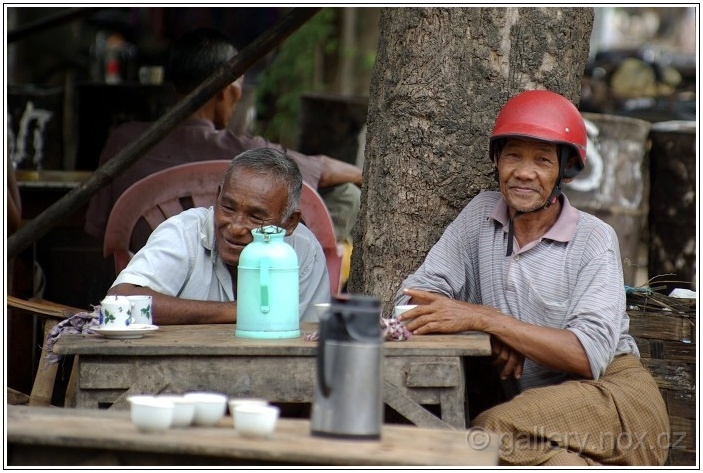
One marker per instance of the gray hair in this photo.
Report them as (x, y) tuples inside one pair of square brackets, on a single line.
[(275, 165), (196, 56)]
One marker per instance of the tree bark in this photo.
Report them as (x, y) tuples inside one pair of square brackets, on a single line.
[(441, 76)]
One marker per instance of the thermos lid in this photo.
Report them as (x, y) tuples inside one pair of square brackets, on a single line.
[(267, 232)]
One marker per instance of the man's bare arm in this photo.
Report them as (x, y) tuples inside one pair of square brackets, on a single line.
[(169, 310), (335, 172)]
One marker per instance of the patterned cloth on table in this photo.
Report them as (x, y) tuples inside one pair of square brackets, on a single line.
[(82, 322)]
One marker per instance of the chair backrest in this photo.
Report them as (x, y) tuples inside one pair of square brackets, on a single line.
[(168, 192)]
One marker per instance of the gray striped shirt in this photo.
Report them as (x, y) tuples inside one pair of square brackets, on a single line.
[(571, 278)]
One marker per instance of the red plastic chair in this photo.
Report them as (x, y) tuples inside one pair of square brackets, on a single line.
[(168, 192)]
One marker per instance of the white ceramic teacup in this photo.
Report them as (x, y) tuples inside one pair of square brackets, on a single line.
[(241, 401), (255, 421), (321, 309), (209, 407), (400, 309), (150, 414), (184, 409), (115, 313), (141, 309)]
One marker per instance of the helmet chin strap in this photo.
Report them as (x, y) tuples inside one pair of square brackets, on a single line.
[(556, 192)]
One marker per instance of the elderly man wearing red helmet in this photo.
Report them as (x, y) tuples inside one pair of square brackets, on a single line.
[(545, 281)]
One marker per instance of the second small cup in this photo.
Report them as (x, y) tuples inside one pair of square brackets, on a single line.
[(209, 407), (252, 420), (321, 309), (141, 309), (400, 309)]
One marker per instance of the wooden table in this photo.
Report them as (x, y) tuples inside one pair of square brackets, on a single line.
[(424, 371), (79, 437)]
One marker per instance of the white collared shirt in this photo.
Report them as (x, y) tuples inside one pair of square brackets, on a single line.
[(180, 259)]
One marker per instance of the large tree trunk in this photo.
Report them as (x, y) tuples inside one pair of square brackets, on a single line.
[(440, 77)]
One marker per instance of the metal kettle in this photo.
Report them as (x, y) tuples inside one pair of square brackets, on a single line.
[(348, 400), (268, 287)]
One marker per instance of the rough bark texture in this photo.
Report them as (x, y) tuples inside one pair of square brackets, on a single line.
[(440, 77)]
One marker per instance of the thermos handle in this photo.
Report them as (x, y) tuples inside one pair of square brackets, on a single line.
[(264, 284), (321, 381)]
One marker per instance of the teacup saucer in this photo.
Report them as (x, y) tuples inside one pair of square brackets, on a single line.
[(135, 331)]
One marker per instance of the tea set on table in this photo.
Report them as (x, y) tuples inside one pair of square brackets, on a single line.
[(125, 317), (251, 417), (347, 398)]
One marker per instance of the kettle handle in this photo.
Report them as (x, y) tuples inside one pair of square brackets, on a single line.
[(264, 284), (321, 380)]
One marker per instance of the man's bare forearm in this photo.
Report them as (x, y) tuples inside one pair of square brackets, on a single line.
[(169, 310), (335, 172)]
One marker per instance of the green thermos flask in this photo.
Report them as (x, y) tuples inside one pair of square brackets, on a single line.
[(268, 289)]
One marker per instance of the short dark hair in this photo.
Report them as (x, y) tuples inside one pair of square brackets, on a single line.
[(197, 55), (274, 164)]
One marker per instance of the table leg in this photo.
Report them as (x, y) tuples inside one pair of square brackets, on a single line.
[(411, 410), (454, 403), (148, 383), (72, 386)]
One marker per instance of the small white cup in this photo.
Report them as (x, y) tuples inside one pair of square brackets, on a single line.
[(150, 414), (183, 411), (240, 401), (400, 309), (321, 309), (141, 309), (245, 401), (115, 313), (252, 420), (209, 407)]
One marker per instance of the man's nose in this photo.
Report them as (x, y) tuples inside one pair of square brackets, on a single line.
[(239, 224), (525, 169)]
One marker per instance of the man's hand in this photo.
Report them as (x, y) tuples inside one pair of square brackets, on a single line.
[(554, 348), (436, 313), (507, 360)]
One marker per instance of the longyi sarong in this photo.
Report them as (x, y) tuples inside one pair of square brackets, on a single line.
[(619, 419)]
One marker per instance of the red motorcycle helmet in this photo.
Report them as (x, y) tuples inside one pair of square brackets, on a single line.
[(545, 116)]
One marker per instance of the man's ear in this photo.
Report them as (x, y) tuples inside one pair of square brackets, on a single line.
[(236, 91), (232, 91), (571, 169), (292, 223)]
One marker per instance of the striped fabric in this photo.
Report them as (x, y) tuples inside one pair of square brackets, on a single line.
[(620, 419), (570, 279)]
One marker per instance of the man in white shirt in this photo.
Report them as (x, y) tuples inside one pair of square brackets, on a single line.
[(189, 264)]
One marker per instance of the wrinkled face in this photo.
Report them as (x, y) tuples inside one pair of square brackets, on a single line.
[(528, 171), (246, 201)]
